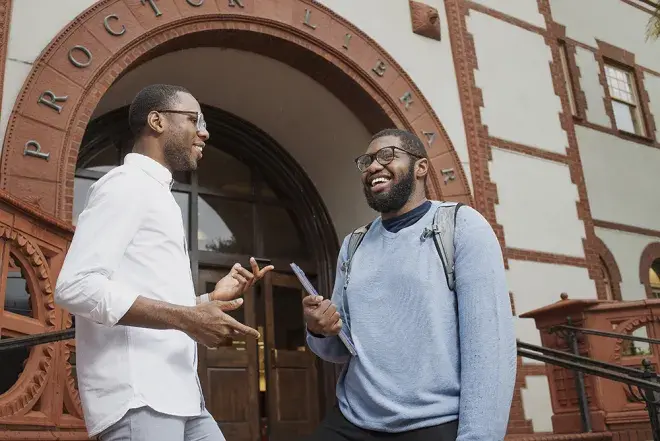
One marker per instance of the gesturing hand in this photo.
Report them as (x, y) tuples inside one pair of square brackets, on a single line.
[(238, 281), (321, 316), (209, 325)]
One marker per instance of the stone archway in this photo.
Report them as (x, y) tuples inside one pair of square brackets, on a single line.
[(70, 77)]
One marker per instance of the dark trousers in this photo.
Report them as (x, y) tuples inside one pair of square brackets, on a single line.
[(337, 428)]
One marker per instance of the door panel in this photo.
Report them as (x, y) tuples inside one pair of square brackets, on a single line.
[(229, 374), (291, 370)]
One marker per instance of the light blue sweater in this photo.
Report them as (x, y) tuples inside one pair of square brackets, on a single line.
[(426, 355)]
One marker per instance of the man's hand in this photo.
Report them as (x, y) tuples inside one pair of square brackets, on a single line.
[(209, 325), (238, 281), (321, 316)]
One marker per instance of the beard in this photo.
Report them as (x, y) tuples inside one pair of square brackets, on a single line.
[(396, 198), (177, 156)]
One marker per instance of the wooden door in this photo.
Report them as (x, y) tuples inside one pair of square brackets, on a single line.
[(291, 373), (229, 374)]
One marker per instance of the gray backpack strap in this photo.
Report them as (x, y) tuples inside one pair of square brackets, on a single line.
[(442, 231), (353, 243)]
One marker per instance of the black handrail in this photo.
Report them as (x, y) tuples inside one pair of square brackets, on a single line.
[(7, 344), (616, 335)]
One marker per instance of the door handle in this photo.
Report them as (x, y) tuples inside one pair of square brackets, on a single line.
[(273, 356)]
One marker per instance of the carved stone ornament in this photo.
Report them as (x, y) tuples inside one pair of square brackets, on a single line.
[(425, 20), (25, 393)]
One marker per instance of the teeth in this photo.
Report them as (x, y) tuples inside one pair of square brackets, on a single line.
[(378, 181)]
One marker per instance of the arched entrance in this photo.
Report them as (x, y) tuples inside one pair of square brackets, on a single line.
[(68, 80), (49, 136)]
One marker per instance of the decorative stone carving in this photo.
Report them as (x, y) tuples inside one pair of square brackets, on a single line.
[(627, 327), (25, 393), (72, 396), (425, 20)]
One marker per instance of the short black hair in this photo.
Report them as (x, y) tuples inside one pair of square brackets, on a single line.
[(152, 97), (409, 141)]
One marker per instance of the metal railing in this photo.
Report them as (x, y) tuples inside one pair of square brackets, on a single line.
[(643, 384)]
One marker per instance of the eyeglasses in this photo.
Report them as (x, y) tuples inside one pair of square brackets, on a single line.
[(199, 121), (384, 156)]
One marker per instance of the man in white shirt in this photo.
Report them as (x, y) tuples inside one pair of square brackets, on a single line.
[(127, 280)]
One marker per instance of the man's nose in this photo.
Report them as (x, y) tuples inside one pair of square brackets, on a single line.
[(203, 134), (374, 167)]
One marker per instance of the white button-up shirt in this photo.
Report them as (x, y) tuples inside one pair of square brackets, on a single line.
[(130, 242)]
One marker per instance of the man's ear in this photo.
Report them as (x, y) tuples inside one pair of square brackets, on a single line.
[(422, 168), (156, 122)]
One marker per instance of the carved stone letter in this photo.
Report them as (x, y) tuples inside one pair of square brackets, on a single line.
[(50, 99), (195, 3), (106, 25), (33, 148), (153, 6), (406, 99), (430, 136), (380, 68), (449, 174), (306, 22), (233, 3), (85, 51), (425, 20), (347, 40)]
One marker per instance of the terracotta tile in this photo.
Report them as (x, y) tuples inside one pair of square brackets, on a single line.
[(189, 8), (125, 22), (86, 42), (51, 141), (278, 10), (312, 20), (41, 194), (431, 135), (406, 98), (49, 80), (446, 163), (235, 6), (148, 17)]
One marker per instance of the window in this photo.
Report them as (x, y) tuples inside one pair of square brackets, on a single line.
[(563, 54), (625, 101), (654, 279)]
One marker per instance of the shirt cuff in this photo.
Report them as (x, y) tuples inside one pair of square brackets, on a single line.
[(115, 304)]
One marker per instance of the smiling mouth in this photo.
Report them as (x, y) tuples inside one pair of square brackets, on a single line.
[(198, 148), (379, 183), (379, 180)]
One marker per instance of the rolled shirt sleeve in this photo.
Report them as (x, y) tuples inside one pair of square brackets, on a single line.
[(106, 227)]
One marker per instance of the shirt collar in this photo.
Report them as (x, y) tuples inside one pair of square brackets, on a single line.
[(151, 167)]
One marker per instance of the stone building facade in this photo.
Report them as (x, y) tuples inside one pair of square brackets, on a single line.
[(541, 114)]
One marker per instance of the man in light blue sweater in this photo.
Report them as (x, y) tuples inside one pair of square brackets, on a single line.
[(430, 363)]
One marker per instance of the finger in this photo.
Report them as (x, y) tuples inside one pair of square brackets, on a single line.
[(325, 304), (240, 327), (240, 279), (336, 327), (262, 272), (312, 301), (335, 318), (328, 313), (254, 265), (234, 269), (229, 305), (245, 273)]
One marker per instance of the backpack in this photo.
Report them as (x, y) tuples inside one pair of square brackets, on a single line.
[(442, 232)]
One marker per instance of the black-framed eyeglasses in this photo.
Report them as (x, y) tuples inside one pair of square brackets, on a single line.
[(384, 156), (199, 121)]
